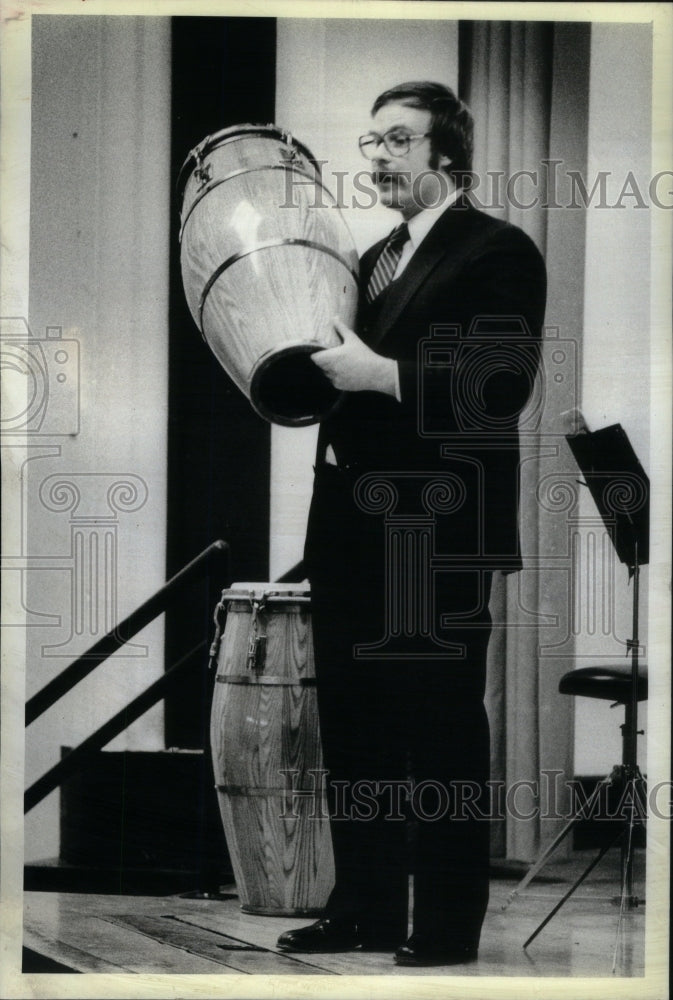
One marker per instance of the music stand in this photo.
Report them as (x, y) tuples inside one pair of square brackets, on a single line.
[(620, 489)]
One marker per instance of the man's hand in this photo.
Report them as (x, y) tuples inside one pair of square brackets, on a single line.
[(354, 367)]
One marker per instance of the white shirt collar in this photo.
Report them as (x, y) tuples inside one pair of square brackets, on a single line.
[(421, 224)]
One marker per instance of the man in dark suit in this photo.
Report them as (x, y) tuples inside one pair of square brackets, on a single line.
[(415, 504)]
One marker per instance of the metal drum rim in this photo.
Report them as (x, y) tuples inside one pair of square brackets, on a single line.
[(232, 133), (300, 596), (213, 185), (262, 363), (270, 244)]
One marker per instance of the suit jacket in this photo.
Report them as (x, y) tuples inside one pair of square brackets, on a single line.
[(464, 323)]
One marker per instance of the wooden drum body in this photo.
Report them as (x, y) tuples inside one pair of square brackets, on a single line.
[(267, 262), (266, 751)]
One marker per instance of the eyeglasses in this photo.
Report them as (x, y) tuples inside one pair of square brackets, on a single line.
[(397, 142)]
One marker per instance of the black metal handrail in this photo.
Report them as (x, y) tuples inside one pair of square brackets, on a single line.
[(83, 665), (295, 574), (52, 778), (125, 630)]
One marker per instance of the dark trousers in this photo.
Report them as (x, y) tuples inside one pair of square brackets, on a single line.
[(386, 723)]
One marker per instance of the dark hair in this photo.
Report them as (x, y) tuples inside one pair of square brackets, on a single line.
[(451, 128)]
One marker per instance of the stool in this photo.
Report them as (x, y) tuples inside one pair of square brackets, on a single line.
[(611, 683)]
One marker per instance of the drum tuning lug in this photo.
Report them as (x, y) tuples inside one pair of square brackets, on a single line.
[(195, 153), (204, 174), (256, 652), (290, 155)]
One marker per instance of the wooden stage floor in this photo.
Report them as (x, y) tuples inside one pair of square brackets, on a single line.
[(174, 934)]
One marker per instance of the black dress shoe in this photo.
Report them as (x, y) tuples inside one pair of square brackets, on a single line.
[(337, 935), (324, 935), (420, 950)]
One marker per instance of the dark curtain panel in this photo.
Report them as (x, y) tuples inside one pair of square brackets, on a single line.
[(223, 73)]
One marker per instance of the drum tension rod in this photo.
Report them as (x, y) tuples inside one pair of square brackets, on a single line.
[(220, 617), (256, 643)]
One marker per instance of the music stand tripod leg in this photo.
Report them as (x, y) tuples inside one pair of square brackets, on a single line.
[(542, 860), (572, 889)]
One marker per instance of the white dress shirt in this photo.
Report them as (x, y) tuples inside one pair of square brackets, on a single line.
[(419, 226)]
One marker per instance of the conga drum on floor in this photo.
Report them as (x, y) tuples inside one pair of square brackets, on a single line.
[(267, 262), (266, 751)]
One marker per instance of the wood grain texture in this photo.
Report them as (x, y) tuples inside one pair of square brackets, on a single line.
[(278, 296), (94, 933), (89, 942), (267, 762), (212, 944)]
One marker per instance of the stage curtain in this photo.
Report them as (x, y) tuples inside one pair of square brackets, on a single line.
[(527, 85), (223, 73)]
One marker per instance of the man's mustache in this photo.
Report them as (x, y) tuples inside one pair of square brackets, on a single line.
[(381, 176)]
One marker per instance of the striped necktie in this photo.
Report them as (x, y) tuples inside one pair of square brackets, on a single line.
[(384, 268)]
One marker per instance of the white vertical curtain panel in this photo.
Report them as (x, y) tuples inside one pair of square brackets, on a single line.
[(512, 84), (95, 493)]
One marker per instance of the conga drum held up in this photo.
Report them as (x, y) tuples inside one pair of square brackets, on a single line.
[(267, 262)]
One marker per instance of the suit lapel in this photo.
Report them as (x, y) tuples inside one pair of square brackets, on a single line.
[(443, 243)]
